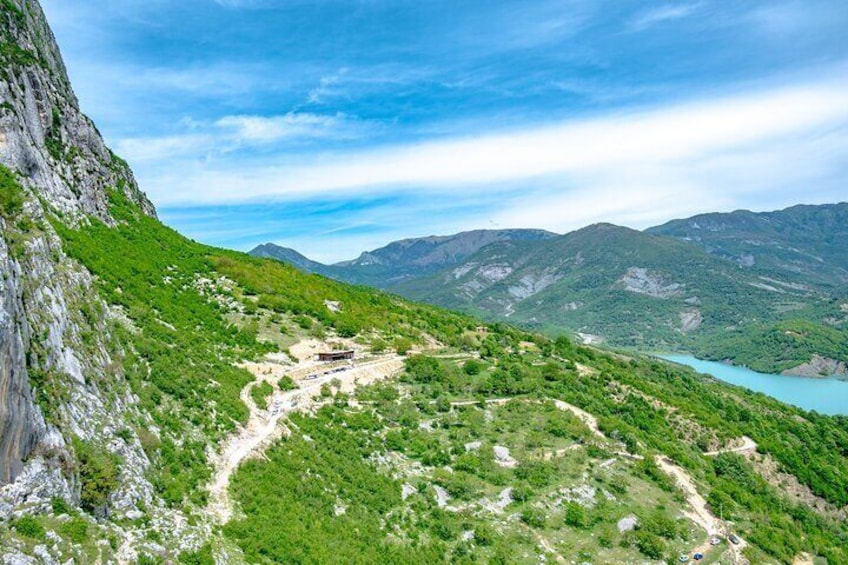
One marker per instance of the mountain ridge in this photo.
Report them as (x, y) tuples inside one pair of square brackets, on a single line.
[(748, 256)]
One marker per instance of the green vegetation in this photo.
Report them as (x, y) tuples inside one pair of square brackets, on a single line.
[(341, 477), (98, 475), (182, 347), (261, 393), (30, 527), (203, 556), (415, 423), (11, 194), (764, 290), (784, 345)]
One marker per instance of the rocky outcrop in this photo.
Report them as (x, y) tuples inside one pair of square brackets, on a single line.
[(20, 424), (819, 366), (43, 134), (643, 281)]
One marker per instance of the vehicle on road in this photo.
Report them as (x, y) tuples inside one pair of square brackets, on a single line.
[(698, 556), (733, 539), (683, 559), (715, 541)]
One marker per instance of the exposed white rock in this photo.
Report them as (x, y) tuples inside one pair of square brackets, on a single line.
[(473, 445), (442, 496), (407, 490), (691, 320), (642, 281), (503, 458), (528, 285), (628, 523)]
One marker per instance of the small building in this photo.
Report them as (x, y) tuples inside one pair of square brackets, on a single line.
[(336, 356)]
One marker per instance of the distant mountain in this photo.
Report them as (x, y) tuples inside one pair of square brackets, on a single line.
[(289, 256), (767, 290), (808, 244), (625, 286), (405, 259)]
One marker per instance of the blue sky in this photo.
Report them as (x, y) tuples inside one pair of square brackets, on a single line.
[(335, 126)]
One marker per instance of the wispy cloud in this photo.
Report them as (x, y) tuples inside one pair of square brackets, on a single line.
[(549, 113), (229, 133), (259, 129), (660, 138), (664, 13)]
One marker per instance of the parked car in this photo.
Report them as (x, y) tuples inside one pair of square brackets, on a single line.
[(698, 556), (684, 558), (715, 541), (733, 539)]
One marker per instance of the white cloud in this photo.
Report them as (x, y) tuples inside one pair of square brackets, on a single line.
[(664, 13), (229, 133), (668, 140), (261, 129)]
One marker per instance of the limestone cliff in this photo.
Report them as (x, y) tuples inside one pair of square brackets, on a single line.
[(58, 379), (60, 162)]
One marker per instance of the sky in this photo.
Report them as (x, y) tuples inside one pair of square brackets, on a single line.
[(337, 126)]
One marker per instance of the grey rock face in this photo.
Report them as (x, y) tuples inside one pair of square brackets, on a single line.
[(62, 163)]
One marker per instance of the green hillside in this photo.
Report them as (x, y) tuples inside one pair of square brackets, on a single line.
[(802, 244), (183, 335), (634, 289)]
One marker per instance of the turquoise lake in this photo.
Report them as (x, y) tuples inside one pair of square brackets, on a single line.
[(826, 396)]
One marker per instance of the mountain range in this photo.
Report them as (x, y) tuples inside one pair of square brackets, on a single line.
[(710, 284)]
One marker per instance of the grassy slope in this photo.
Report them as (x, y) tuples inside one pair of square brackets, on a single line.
[(180, 355), (181, 349)]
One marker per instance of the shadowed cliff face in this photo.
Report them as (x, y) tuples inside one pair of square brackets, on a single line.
[(59, 162), (20, 425)]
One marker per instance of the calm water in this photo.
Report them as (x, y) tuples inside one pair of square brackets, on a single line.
[(826, 396)]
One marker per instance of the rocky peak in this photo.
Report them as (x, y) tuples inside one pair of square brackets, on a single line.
[(44, 137)]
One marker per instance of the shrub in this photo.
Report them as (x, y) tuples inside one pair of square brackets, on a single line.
[(98, 473), (30, 527), (202, 556), (575, 516), (472, 367), (11, 194), (60, 506), (75, 529)]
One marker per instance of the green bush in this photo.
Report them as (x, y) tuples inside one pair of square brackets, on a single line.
[(60, 506), (202, 556), (650, 544), (11, 194), (98, 473), (75, 529), (30, 527)]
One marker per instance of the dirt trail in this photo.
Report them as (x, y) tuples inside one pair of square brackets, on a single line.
[(588, 419), (698, 510), (747, 445), (264, 426)]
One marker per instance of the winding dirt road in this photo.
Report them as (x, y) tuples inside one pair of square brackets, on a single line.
[(264, 425), (747, 445)]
